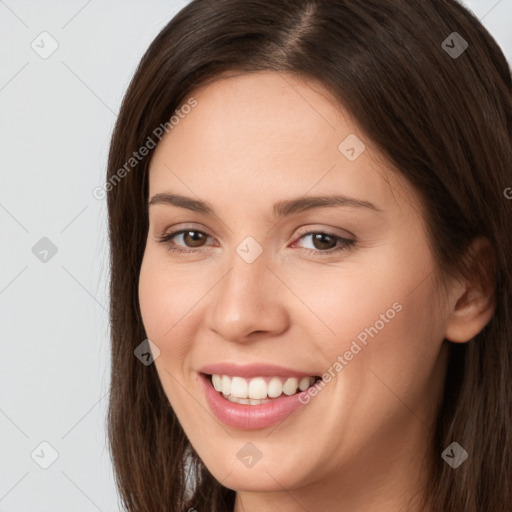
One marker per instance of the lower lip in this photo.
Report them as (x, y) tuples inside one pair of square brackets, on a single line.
[(249, 417)]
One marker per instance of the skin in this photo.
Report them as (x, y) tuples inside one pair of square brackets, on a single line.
[(362, 443)]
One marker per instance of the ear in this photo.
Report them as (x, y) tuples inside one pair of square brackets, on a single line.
[(472, 300)]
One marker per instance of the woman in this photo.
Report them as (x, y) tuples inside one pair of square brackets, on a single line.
[(310, 234)]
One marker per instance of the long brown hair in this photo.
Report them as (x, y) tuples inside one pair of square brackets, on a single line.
[(444, 120)]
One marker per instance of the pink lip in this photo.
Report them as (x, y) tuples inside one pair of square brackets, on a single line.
[(249, 417), (252, 370)]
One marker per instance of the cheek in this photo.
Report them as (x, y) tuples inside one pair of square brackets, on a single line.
[(356, 301), (165, 297), (392, 360), (152, 299), (381, 315)]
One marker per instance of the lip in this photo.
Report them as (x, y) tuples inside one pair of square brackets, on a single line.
[(249, 417), (252, 370)]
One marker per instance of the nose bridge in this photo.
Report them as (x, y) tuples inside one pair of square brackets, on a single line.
[(248, 274), (246, 300), (246, 283)]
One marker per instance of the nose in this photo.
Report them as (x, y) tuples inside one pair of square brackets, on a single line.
[(249, 299)]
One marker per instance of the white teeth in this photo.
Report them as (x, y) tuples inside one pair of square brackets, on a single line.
[(275, 387), (258, 390), (246, 401), (290, 386), (217, 382), (239, 387), (226, 385), (304, 383)]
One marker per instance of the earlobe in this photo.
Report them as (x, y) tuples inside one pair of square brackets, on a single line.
[(474, 302)]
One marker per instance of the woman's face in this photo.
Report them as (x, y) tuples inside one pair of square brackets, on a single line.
[(344, 290)]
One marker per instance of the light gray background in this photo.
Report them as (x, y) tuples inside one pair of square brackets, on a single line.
[(56, 119)]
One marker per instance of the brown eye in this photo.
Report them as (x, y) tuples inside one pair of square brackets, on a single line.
[(323, 241), (193, 238), (326, 243)]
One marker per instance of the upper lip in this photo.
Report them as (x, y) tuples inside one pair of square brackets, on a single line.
[(252, 370)]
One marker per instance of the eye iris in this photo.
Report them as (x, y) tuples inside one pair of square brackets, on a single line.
[(199, 237), (320, 237)]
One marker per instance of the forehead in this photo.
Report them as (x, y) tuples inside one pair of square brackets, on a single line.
[(271, 135)]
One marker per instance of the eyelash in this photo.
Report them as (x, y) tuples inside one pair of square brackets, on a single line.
[(345, 243)]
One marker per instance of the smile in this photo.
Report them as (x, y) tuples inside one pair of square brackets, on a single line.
[(254, 402), (258, 390)]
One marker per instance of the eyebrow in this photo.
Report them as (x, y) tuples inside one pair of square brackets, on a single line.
[(281, 208)]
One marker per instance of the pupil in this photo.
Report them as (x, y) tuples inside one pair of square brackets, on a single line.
[(318, 238), (196, 238)]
